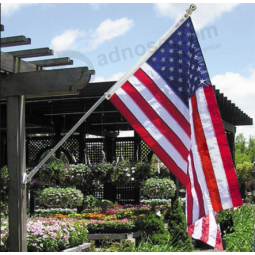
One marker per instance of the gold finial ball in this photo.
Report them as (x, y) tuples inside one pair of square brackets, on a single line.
[(192, 8)]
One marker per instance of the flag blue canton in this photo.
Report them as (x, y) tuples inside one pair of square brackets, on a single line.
[(180, 62)]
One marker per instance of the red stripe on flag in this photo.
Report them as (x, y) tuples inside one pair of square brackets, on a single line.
[(223, 146), (190, 229), (205, 228), (218, 244), (149, 140), (156, 120), (163, 100), (198, 189), (189, 203), (205, 158)]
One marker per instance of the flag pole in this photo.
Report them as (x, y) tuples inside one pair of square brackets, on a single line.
[(27, 178)]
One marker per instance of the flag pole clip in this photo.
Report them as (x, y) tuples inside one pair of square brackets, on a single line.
[(192, 8)]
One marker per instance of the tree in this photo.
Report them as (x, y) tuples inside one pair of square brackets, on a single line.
[(177, 227), (251, 149), (241, 154)]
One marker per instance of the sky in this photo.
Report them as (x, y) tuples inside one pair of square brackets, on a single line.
[(111, 37)]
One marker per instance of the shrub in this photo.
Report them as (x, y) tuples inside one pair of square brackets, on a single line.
[(159, 188), (53, 197), (242, 239), (153, 228), (178, 228), (225, 220)]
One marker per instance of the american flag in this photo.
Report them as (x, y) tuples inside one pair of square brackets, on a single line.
[(169, 101)]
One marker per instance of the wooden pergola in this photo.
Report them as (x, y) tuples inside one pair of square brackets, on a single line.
[(19, 80)]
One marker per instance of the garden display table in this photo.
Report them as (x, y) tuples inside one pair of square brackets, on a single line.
[(85, 247), (115, 236)]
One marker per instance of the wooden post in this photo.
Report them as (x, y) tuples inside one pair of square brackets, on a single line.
[(17, 166), (109, 148), (82, 140)]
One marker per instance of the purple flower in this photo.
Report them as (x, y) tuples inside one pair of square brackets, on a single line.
[(34, 244)]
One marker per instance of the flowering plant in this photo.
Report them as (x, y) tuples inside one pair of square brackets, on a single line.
[(61, 197), (4, 240), (74, 174), (159, 188), (49, 234), (50, 211), (4, 177), (112, 226), (50, 172)]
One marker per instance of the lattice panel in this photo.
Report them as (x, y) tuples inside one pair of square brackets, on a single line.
[(99, 194), (125, 149), (94, 151), (125, 194), (36, 145), (145, 150), (72, 146)]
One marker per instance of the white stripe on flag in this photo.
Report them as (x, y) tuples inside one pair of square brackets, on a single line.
[(195, 209), (162, 85), (152, 129), (213, 148), (213, 228), (197, 234), (161, 111), (199, 169)]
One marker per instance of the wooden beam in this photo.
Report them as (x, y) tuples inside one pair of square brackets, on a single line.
[(32, 53), (2, 27), (15, 41), (52, 62), (229, 127), (16, 158), (45, 83), (12, 64)]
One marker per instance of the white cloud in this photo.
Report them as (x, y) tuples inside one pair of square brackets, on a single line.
[(114, 77), (66, 40), (77, 39), (108, 30), (8, 9), (241, 91), (202, 16)]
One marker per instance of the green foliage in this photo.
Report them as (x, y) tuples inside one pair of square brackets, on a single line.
[(242, 152), (61, 197), (159, 188), (225, 220), (251, 149), (50, 172), (153, 227), (51, 211), (242, 239), (242, 171), (252, 198), (146, 245), (91, 202), (177, 227)]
